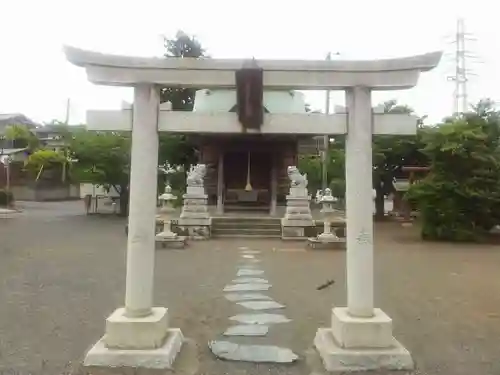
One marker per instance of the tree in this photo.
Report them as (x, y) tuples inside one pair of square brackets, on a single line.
[(486, 108), (103, 159), (391, 153), (21, 137), (336, 167), (183, 46), (178, 150), (45, 160), (311, 164), (459, 200)]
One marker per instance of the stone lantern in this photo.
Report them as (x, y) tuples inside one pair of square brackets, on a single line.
[(168, 238), (327, 239), (166, 208), (327, 201)]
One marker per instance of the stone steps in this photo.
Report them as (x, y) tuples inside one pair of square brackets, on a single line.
[(250, 207), (246, 227), (249, 220), (246, 236), (253, 225), (246, 233)]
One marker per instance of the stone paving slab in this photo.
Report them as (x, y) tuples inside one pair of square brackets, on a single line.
[(247, 280), (247, 330), (236, 297), (249, 272), (260, 318), (261, 305), (252, 353), (250, 264), (247, 287)]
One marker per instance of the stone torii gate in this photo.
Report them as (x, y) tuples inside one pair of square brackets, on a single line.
[(360, 336)]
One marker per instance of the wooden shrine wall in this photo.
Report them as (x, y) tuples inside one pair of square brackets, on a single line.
[(284, 152)]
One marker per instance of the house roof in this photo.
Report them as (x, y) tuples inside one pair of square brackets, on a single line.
[(7, 119), (49, 128), (11, 151)]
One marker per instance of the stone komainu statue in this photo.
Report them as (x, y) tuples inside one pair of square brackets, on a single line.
[(296, 179), (196, 175)]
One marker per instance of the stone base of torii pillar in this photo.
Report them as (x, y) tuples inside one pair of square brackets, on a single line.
[(361, 344), (137, 342)]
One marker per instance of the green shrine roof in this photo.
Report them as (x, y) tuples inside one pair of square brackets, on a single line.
[(207, 100)]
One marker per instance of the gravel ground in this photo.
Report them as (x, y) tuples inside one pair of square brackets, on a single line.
[(63, 273)]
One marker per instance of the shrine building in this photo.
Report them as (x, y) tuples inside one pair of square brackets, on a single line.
[(248, 171)]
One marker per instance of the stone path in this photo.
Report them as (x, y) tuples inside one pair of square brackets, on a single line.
[(246, 291)]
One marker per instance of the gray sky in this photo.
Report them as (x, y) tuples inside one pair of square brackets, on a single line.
[(36, 80)]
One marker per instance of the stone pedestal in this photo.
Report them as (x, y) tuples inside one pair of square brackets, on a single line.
[(169, 239), (361, 344), (136, 342), (327, 241), (7, 213), (297, 216), (195, 219)]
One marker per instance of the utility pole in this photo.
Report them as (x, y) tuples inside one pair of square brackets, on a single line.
[(462, 71), (68, 105), (65, 149), (326, 137)]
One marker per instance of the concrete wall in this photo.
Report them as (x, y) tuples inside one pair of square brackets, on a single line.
[(94, 190), (45, 193)]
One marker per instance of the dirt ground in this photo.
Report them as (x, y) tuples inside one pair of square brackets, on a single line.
[(62, 273)]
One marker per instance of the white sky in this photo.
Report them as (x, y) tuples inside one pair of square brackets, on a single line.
[(36, 80)]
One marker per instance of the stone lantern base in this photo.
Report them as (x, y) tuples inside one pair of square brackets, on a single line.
[(327, 241), (171, 242), (169, 239)]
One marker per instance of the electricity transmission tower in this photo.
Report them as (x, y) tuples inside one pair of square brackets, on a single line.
[(462, 58)]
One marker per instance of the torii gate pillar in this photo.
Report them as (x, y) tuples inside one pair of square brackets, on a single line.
[(360, 337)]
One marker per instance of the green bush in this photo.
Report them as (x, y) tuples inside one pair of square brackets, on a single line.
[(6, 198), (45, 158), (459, 200)]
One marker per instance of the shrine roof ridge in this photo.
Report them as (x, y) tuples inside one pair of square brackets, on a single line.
[(83, 58)]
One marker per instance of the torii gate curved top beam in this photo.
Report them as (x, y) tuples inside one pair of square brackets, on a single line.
[(385, 74)]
